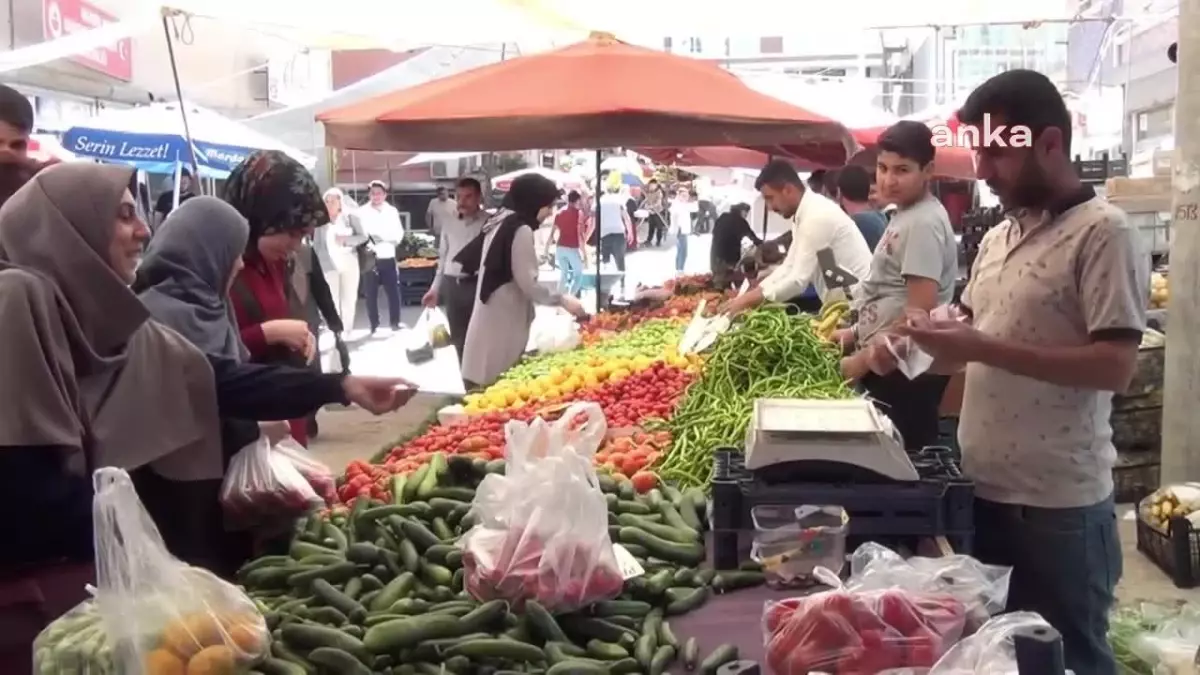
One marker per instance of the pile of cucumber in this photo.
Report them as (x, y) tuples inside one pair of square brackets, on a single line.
[(380, 589), (76, 642)]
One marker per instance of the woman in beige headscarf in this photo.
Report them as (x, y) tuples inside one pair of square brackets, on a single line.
[(88, 380)]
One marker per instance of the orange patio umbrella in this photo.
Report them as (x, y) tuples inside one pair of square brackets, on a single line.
[(598, 93), (955, 163), (722, 156)]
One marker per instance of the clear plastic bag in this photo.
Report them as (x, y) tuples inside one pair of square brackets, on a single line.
[(870, 631), (1161, 640), (982, 589), (319, 476), (991, 649), (543, 526), (162, 615), (75, 643), (434, 326), (555, 332), (264, 487)]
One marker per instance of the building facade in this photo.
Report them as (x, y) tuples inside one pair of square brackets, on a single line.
[(221, 66)]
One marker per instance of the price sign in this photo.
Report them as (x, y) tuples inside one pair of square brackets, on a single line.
[(628, 564)]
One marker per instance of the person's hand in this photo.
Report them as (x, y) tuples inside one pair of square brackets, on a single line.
[(430, 299), (574, 306), (879, 358), (378, 395), (844, 338), (275, 431), (291, 333), (736, 306), (946, 341)]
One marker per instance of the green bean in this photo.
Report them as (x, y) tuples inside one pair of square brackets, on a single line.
[(767, 354)]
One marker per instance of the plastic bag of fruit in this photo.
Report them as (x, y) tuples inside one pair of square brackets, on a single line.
[(162, 615), (263, 487), (555, 332), (992, 649), (76, 642), (844, 631), (983, 589), (319, 477), (542, 531)]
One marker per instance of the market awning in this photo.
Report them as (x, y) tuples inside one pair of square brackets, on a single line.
[(594, 94), (719, 156)]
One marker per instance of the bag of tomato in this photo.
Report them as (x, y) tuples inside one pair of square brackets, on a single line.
[(860, 633), (542, 532)]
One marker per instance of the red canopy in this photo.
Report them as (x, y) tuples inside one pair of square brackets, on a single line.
[(954, 162), (725, 156), (595, 94)]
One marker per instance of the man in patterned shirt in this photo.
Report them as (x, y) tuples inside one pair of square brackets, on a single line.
[(1057, 305)]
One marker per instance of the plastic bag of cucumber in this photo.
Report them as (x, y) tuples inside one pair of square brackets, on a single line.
[(378, 588)]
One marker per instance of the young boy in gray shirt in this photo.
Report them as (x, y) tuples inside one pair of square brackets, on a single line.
[(914, 266)]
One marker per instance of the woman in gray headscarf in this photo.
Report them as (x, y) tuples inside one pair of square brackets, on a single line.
[(185, 276)]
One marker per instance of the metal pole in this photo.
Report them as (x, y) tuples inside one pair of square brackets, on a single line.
[(596, 228), (187, 132), (766, 210), (1181, 433)]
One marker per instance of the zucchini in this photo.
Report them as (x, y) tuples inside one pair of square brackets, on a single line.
[(689, 555), (661, 659), (491, 648), (391, 636), (719, 657), (338, 661)]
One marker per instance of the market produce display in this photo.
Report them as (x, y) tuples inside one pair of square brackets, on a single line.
[(606, 324), (829, 319), (379, 588), (1160, 291), (767, 354), (1173, 501), (417, 263)]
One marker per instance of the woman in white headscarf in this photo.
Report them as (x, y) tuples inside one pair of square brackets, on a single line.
[(337, 245)]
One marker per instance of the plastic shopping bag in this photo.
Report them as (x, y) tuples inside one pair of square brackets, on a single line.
[(1158, 639), (434, 325), (542, 531), (319, 476), (263, 487), (75, 643), (982, 589), (555, 332), (162, 615), (845, 631), (992, 649)]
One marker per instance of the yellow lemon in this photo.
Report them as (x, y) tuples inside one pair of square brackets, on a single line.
[(552, 392), (590, 380), (619, 374)]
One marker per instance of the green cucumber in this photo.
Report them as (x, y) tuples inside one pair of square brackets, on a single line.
[(303, 549), (338, 661), (497, 649), (661, 659), (733, 580), (438, 553), (335, 574), (679, 535), (410, 560), (414, 482), (672, 494), (444, 507), (606, 651), (694, 504), (689, 602), (370, 582), (353, 588), (719, 657), (393, 591), (485, 616), (681, 554), (644, 648), (334, 533), (274, 666), (391, 636), (497, 466), (441, 528), (587, 628), (265, 561), (282, 652), (630, 506), (634, 608), (666, 636), (461, 494), (543, 623), (625, 667), (398, 483), (418, 534), (659, 582), (672, 518), (436, 575), (577, 667), (684, 577), (625, 489), (309, 636), (363, 553), (338, 600), (691, 654), (329, 616), (429, 481)]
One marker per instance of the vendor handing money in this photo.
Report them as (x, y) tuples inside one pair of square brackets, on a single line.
[(817, 223), (912, 272)]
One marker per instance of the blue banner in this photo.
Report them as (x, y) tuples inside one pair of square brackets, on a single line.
[(152, 152)]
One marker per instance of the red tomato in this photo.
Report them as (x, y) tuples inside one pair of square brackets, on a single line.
[(645, 481)]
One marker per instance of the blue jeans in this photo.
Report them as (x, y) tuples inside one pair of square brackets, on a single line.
[(1066, 563), (570, 270), (681, 244)]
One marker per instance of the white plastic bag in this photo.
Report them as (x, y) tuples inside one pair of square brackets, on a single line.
[(543, 526), (75, 643), (555, 332), (434, 326), (161, 614), (263, 487), (911, 360), (318, 475), (991, 649)]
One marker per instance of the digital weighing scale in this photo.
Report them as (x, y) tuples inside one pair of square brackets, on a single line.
[(828, 437)]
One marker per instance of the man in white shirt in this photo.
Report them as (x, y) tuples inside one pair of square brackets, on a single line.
[(442, 211), (451, 288), (817, 224), (381, 223), (683, 212)]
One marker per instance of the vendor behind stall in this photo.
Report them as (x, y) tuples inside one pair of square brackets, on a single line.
[(725, 251), (914, 268), (817, 224)]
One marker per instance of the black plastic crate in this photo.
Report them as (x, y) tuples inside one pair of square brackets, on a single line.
[(1176, 552), (941, 503), (415, 282)]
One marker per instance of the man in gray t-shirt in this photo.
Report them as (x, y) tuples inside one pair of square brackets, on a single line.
[(913, 267)]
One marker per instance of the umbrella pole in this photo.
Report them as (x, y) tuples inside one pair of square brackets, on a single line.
[(599, 233), (187, 132), (769, 159)]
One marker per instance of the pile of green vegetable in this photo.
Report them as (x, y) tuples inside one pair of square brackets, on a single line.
[(767, 354), (380, 590)]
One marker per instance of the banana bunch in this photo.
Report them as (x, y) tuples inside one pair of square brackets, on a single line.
[(829, 319)]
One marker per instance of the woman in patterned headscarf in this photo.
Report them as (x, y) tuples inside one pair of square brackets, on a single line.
[(282, 204)]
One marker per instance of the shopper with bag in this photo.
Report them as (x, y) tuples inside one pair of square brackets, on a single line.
[(914, 268), (452, 289), (504, 258), (89, 380)]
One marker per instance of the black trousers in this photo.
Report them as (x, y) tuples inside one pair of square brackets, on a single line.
[(911, 405), (385, 276), (612, 247), (457, 295), (656, 229)]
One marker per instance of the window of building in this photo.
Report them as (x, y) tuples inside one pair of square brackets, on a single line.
[(666, 44), (770, 45), (1155, 123)]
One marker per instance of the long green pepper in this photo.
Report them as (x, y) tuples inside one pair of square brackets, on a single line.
[(767, 354)]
